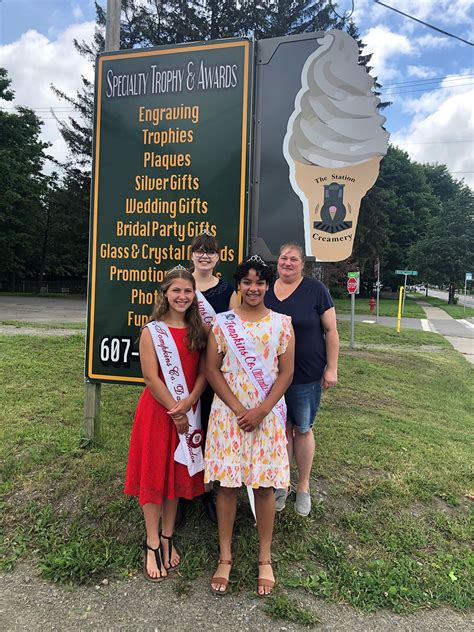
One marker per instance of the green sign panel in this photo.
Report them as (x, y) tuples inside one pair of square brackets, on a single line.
[(407, 272), (170, 161)]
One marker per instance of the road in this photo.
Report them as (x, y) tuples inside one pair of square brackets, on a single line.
[(468, 301), (460, 333), (40, 309)]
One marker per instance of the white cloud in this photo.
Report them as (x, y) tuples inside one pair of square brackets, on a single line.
[(386, 47), (34, 62), (442, 129), (422, 72), (434, 41), (436, 12), (77, 12), (365, 11)]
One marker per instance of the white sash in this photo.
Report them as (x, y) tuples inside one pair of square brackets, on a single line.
[(205, 308), (244, 349), (189, 451)]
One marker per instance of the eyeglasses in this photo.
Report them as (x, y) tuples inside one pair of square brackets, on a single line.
[(204, 253)]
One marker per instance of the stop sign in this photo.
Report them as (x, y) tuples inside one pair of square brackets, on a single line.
[(352, 285)]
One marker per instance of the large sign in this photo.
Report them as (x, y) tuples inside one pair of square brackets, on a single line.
[(319, 143), (170, 161)]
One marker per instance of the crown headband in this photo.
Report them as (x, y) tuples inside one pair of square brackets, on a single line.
[(257, 259), (178, 267), (206, 232)]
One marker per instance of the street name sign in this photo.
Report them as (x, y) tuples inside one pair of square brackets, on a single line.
[(407, 272)]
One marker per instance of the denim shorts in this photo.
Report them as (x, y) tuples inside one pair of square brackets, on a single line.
[(302, 401)]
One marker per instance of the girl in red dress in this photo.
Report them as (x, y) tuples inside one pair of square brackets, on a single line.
[(153, 474)]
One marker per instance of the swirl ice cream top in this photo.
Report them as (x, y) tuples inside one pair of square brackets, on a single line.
[(335, 122)]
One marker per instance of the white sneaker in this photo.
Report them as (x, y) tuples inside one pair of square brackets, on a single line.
[(280, 499), (303, 503)]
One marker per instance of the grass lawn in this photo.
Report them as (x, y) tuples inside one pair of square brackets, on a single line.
[(387, 307), (392, 493), (456, 311)]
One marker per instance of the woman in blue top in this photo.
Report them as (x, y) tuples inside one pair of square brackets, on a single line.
[(310, 306)]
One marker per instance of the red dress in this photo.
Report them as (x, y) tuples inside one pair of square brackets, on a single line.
[(152, 472)]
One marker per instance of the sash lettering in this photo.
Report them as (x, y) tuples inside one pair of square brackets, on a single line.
[(205, 308), (189, 451), (244, 349)]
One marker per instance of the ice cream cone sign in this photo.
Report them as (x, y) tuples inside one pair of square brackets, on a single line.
[(334, 144)]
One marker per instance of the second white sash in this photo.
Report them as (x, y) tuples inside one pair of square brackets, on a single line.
[(244, 349), (205, 308)]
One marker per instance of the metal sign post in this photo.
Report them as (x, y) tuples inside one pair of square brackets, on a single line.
[(467, 278), (406, 273), (353, 285), (404, 292), (377, 271)]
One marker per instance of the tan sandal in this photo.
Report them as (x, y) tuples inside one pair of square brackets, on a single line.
[(222, 581), (265, 583)]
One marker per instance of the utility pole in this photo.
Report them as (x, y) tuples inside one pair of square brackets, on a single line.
[(112, 25), (91, 424)]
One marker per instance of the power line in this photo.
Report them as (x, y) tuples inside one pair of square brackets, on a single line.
[(432, 80), (435, 28), (431, 89), (436, 142)]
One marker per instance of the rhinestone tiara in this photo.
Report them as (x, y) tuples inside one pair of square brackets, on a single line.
[(178, 267), (257, 259)]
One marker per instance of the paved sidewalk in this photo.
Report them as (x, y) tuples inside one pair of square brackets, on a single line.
[(464, 343)]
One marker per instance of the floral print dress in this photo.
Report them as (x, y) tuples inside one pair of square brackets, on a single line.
[(258, 458)]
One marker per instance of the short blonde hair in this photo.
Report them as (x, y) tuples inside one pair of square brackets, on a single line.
[(294, 245)]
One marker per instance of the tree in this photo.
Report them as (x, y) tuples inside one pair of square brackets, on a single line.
[(156, 22), (23, 189), (446, 251), (404, 203)]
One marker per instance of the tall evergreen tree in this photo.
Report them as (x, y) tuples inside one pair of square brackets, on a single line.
[(23, 189), (146, 23)]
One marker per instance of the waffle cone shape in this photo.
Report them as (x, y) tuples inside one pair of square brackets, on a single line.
[(331, 199)]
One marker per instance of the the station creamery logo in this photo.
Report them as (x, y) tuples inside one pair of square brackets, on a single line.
[(334, 144)]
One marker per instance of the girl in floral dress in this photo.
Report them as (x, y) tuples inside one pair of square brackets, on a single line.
[(249, 365)]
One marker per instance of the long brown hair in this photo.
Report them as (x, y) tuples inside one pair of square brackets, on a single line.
[(197, 333)]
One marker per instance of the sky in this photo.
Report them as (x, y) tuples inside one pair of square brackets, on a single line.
[(428, 77)]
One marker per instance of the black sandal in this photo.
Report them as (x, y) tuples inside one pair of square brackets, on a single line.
[(159, 563), (169, 538)]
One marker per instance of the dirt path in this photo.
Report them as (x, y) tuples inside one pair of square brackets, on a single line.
[(29, 603)]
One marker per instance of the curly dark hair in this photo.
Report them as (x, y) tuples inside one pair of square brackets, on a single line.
[(196, 338), (264, 271)]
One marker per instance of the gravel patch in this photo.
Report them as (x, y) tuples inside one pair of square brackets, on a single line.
[(29, 603)]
